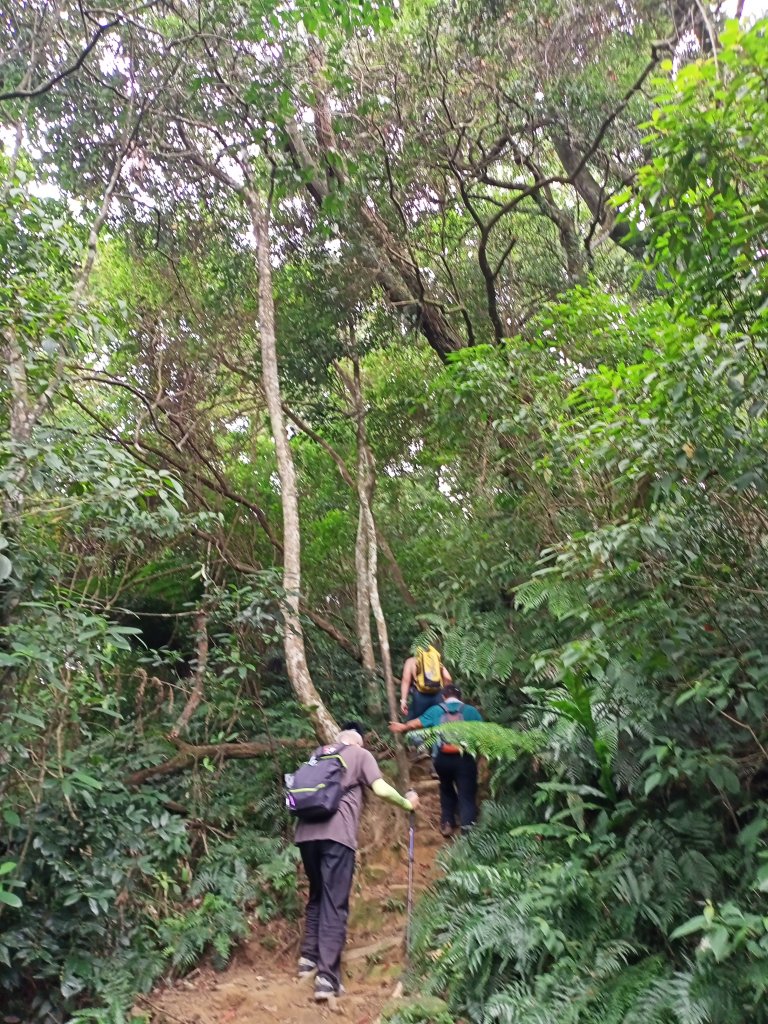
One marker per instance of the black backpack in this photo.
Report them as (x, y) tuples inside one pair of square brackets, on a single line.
[(314, 791)]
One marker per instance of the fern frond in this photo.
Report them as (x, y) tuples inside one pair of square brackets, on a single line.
[(490, 739)]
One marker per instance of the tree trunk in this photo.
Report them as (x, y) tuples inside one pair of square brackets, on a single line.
[(594, 194), (365, 576), (201, 661), (190, 754), (366, 482), (363, 614), (295, 654), (346, 476), (20, 416)]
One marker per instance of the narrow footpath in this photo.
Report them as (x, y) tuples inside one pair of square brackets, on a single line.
[(260, 985)]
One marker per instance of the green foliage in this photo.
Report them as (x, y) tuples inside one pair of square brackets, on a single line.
[(427, 1010), (577, 512), (626, 881), (131, 894), (215, 923), (104, 888), (250, 875), (544, 921), (485, 738)]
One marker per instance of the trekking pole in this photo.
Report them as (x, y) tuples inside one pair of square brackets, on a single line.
[(409, 910)]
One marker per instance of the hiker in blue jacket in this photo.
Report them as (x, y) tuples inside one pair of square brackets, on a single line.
[(456, 770)]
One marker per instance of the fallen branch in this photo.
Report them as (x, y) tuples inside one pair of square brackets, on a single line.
[(189, 755)]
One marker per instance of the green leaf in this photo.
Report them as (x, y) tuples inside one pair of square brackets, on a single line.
[(6, 567), (87, 780), (762, 878), (10, 899), (23, 716), (695, 924), (653, 780), (718, 941)]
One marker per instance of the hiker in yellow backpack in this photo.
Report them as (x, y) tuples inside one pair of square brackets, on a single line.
[(424, 676)]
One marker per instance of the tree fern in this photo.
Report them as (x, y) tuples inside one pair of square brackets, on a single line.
[(494, 741), (563, 597)]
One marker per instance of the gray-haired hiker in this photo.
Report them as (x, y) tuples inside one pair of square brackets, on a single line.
[(326, 794)]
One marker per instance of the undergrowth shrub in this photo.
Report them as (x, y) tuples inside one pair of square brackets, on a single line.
[(546, 923), (116, 890)]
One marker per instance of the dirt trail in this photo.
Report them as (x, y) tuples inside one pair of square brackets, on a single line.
[(260, 983)]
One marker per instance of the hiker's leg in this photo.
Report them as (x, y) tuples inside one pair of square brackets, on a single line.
[(421, 702), (310, 857), (466, 783), (337, 867), (448, 799)]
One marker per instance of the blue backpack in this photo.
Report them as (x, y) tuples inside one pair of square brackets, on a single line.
[(446, 717), (314, 791)]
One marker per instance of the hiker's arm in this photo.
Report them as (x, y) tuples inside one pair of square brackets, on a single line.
[(405, 684), (383, 789), (447, 677), (415, 723)]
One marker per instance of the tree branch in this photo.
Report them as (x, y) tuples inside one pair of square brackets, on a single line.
[(39, 90), (190, 754)]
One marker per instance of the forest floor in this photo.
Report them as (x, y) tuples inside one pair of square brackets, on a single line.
[(260, 984)]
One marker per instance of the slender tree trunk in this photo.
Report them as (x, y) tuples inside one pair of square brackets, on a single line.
[(201, 661), (363, 613), (20, 424), (366, 484), (295, 654), (346, 476), (365, 574)]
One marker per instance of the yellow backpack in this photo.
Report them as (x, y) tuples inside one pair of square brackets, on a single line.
[(429, 671)]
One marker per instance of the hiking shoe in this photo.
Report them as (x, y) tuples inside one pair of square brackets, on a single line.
[(446, 829), (306, 967), (324, 989)]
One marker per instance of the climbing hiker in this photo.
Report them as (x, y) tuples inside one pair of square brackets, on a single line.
[(456, 770), (423, 677), (326, 794)]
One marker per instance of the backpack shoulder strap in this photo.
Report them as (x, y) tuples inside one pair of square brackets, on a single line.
[(331, 750)]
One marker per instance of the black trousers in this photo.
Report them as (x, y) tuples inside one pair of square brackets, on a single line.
[(458, 788), (329, 867)]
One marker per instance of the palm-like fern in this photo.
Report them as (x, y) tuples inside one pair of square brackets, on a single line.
[(487, 738)]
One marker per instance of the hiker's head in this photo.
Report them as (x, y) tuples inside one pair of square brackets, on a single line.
[(357, 726), (351, 737), (451, 691)]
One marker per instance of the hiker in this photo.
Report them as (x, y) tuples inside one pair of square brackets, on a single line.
[(423, 677), (456, 770), (327, 850)]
